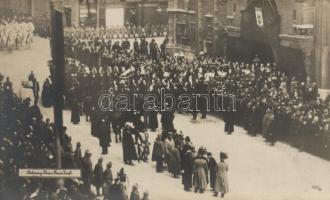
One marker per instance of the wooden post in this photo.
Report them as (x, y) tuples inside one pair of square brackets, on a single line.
[(97, 13), (57, 50)]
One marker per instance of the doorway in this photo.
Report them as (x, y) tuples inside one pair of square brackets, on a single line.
[(243, 50)]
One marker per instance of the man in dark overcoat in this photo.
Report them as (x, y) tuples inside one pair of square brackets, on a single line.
[(158, 154), (98, 176), (87, 171), (212, 164), (104, 134), (187, 167)]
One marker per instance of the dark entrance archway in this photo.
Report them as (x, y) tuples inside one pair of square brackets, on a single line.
[(245, 50)]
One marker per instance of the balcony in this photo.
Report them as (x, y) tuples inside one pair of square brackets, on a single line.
[(297, 41), (303, 29), (233, 31)]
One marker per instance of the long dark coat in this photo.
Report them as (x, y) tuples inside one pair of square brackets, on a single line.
[(175, 161), (117, 192), (104, 133), (75, 112), (153, 121), (98, 175), (77, 157), (229, 118), (87, 171), (187, 166), (158, 150), (167, 121), (69, 161), (46, 94), (94, 118), (129, 151), (212, 166)]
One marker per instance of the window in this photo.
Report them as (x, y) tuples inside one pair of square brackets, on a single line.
[(234, 7), (294, 14), (181, 33), (181, 4)]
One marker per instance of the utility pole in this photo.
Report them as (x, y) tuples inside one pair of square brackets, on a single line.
[(57, 51), (97, 13), (142, 21)]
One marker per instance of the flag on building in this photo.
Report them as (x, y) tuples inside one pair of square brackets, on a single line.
[(259, 17)]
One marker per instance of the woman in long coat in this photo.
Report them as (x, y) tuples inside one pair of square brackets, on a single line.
[(200, 173), (221, 181), (46, 94), (129, 151)]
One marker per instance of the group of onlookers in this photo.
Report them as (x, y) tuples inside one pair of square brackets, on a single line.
[(28, 140)]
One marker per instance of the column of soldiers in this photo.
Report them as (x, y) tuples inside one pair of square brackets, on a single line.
[(15, 33), (127, 31)]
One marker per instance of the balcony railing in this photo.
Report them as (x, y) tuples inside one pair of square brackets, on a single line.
[(303, 29)]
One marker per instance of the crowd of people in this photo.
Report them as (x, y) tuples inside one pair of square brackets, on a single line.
[(28, 140), (267, 101)]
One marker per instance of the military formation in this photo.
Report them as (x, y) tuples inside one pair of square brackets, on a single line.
[(16, 33), (121, 32)]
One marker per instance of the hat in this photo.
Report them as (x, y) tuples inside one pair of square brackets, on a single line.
[(129, 124), (145, 193), (223, 155), (87, 152), (187, 139)]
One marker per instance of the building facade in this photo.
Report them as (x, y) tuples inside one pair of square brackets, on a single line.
[(102, 13), (293, 33), (122, 12)]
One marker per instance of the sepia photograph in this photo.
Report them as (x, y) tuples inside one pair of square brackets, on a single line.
[(164, 99)]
